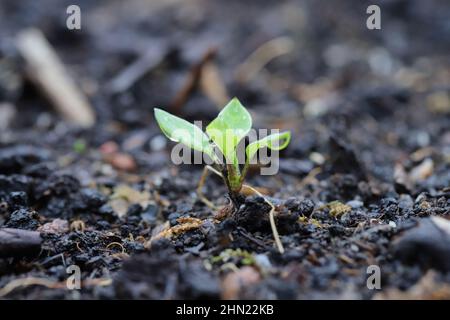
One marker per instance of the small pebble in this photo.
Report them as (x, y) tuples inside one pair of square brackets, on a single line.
[(355, 204), (158, 143), (392, 224)]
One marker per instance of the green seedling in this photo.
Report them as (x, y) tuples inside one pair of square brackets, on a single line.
[(222, 138), (223, 134)]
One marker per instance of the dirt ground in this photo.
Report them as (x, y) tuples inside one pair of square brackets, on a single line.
[(365, 180)]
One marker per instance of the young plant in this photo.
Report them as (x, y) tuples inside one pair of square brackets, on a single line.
[(224, 133)]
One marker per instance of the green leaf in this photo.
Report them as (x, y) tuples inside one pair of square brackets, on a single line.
[(272, 142), (228, 129), (180, 130)]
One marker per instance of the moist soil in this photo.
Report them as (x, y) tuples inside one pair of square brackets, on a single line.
[(365, 180)]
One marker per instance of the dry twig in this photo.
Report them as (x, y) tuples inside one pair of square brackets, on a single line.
[(46, 69)]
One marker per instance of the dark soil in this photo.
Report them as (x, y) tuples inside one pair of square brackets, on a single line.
[(362, 183)]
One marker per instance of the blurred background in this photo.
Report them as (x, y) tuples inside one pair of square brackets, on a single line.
[(309, 66)]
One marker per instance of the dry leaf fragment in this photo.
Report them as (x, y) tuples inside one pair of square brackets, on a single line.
[(185, 224), (336, 208), (55, 227)]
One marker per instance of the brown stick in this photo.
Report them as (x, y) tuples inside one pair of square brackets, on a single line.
[(47, 71), (19, 243)]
